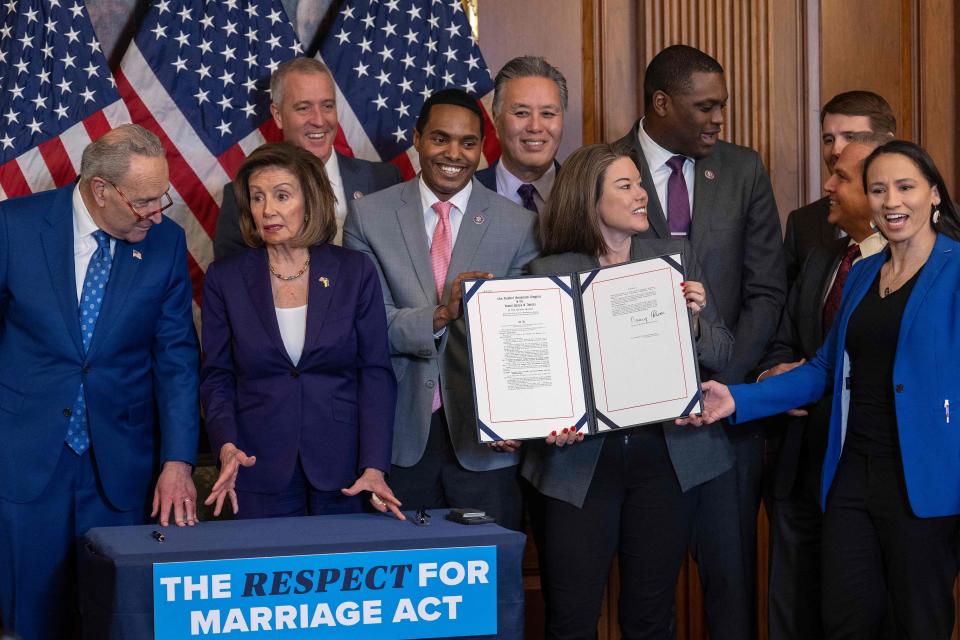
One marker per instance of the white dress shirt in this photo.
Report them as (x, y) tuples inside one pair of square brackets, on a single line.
[(332, 167), (507, 185), (84, 244), (431, 218), (656, 157)]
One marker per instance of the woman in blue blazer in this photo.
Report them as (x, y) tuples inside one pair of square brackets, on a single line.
[(636, 490), (891, 474), (296, 378)]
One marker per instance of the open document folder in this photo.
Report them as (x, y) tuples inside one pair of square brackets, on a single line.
[(604, 349)]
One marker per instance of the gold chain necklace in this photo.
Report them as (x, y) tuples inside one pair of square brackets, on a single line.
[(302, 271)]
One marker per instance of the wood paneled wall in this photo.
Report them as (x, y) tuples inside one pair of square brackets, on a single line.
[(780, 67), (783, 59)]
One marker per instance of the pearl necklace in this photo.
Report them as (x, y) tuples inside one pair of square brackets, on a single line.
[(279, 276)]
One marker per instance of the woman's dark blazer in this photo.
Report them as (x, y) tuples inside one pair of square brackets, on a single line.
[(698, 455), (334, 408)]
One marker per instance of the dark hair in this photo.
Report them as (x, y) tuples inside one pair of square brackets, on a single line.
[(455, 97), (863, 103), (319, 203), (949, 223), (528, 67), (570, 221), (671, 71)]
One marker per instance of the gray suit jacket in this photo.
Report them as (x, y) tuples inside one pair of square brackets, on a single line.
[(495, 236), (735, 233), (698, 455)]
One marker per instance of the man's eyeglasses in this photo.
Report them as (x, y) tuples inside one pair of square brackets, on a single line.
[(164, 202)]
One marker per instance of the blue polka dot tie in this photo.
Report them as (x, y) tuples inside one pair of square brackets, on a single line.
[(91, 299)]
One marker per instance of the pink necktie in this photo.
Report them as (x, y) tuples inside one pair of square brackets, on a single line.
[(440, 251), (440, 247)]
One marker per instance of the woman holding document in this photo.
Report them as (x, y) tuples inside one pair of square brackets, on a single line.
[(891, 474), (634, 491)]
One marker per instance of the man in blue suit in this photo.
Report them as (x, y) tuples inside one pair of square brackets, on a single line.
[(304, 106), (98, 372), (529, 101)]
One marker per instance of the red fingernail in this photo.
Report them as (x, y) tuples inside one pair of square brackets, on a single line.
[(553, 433), (565, 430)]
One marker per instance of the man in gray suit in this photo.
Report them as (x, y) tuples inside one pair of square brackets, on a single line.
[(304, 105), (426, 236), (719, 196)]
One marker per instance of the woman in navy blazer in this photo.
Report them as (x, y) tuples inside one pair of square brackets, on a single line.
[(296, 379), (891, 474)]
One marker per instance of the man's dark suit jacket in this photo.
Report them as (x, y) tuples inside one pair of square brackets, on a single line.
[(735, 233), (807, 227), (360, 178), (799, 335)]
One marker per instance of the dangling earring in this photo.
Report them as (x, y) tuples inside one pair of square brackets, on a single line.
[(936, 215), (873, 226)]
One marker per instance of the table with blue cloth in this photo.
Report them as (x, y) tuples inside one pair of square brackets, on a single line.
[(116, 563)]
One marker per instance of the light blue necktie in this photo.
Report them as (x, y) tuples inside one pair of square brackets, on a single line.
[(91, 299)]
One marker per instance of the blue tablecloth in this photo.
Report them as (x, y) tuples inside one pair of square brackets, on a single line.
[(116, 563)]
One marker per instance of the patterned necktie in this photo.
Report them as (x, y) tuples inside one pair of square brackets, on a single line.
[(678, 199), (441, 249), (526, 191), (91, 299), (832, 304)]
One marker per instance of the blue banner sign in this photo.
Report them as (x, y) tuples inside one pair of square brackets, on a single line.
[(373, 595)]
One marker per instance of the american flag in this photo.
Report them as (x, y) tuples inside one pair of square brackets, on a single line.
[(56, 94), (197, 74), (387, 57)]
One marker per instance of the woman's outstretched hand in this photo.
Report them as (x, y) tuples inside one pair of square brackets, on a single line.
[(717, 404)]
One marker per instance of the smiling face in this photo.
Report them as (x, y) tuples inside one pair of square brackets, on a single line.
[(277, 203), (849, 208), (836, 133), (307, 113), (689, 121), (622, 207), (449, 149), (144, 184), (901, 198), (529, 124)]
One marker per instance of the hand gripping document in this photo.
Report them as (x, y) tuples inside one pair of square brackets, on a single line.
[(597, 350)]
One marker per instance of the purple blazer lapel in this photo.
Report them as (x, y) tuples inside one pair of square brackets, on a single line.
[(256, 276), (324, 279)]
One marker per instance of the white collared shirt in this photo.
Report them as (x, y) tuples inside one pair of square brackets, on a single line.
[(84, 244), (332, 167), (871, 245), (431, 218), (656, 157), (507, 185)]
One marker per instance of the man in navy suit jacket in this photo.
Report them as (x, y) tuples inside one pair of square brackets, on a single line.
[(304, 106), (529, 100), (87, 420)]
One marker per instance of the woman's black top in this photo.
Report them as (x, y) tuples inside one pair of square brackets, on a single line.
[(872, 345)]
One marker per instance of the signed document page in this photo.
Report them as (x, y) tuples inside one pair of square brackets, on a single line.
[(642, 358), (525, 356)]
